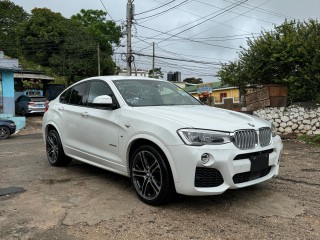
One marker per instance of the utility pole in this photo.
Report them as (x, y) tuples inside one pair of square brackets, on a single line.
[(153, 59), (129, 23), (98, 52)]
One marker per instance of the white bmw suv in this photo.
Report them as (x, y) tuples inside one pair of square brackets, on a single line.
[(165, 140)]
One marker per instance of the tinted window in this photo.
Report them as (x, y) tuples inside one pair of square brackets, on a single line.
[(24, 99), (98, 88), (64, 98), (77, 96)]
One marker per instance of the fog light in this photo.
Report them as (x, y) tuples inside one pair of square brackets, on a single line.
[(205, 158)]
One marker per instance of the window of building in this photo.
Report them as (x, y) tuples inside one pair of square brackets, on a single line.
[(222, 96)]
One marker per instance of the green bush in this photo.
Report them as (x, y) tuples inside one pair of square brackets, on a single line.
[(310, 139)]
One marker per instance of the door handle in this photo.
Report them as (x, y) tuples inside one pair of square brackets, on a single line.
[(85, 114), (61, 108)]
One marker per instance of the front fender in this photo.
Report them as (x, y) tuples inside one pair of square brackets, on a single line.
[(160, 144)]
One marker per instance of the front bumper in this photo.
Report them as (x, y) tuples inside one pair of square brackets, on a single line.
[(231, 166), (12, 129)]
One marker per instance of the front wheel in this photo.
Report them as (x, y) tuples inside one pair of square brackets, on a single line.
[(151, 176), (4, 132), (55, 153)]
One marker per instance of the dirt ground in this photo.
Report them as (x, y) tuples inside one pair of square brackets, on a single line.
[(84, 202)]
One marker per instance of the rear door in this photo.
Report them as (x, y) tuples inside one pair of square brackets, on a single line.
[(70, 109)]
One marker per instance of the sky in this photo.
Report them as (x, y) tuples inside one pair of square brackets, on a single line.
[(197, 35)]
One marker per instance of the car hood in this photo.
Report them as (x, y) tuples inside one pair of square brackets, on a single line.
[(205, 117)]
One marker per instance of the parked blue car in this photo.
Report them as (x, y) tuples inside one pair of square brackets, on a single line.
[(7, 127)]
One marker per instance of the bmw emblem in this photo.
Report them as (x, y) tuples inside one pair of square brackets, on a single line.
[(251, 124)]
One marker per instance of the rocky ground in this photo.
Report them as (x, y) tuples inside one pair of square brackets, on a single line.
[(84, 202)]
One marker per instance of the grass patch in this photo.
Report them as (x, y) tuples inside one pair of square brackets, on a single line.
[(310, 139)]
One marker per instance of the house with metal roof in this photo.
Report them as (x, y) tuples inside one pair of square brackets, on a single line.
[(215, 93)]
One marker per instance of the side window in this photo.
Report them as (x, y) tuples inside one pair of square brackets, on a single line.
[(64, 98), (98, 88), (77, 95)]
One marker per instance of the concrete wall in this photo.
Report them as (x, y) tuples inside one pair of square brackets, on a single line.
[(8, 93), (294, 119)]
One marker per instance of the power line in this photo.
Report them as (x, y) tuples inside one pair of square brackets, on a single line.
[(106, 10), (224, 11), (205, 43), (152, 9), (176, 59), (247, 5), (167, 10)]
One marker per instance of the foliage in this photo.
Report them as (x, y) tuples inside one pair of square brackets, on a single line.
[(11, 16), (193, 80), (41, 36), (105, 32), (156, 73), (288, 55), (32, 84), (310, 139), (67, 47)]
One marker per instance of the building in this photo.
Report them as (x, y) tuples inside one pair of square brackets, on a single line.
[(174, 77), (138, 72), (215, 94), (170, 76), (7, 100), (177, 76), (30, 75)]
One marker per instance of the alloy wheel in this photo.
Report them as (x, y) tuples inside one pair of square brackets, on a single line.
[(4, 132), (147, 175), (52, 147)]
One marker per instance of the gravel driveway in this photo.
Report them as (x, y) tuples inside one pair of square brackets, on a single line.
[(84, 202)]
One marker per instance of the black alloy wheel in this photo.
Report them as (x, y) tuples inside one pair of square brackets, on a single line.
[(151, 176), (55, 153), (4, 132)]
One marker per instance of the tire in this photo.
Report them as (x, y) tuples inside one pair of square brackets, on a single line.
[(4, 132), (55, 153), (151, 176)]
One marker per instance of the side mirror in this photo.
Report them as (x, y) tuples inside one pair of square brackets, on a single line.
[(103, 100)]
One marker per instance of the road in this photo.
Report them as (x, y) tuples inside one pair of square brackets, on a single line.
[(84, 202)]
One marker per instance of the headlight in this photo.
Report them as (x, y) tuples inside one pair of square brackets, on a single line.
[(197, 137)]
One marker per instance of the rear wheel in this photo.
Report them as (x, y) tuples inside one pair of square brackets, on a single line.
[(4, 132), (151, 176), (55, 153)]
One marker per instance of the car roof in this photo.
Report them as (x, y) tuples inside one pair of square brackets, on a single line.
[(117, 77)]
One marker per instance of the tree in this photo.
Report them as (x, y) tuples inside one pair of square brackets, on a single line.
[(106, 33), (287, 55), (41, 36), (156, 73), (11, 16), (234, 74), (69, 46), (193, 80), (76, 57)]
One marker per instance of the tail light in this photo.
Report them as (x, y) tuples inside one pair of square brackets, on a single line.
[(46, 104), (30, 103)]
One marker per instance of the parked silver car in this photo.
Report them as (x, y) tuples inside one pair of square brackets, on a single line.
[(27, 104)]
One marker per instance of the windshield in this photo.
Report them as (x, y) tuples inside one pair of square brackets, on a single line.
[(138, 93)]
